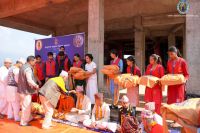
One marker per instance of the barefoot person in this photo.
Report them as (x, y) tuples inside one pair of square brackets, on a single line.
[(114, 87), (83, 107), (3, 83), (13, 97), (26, 87), (154, 94), (91, 87), (50, 94), (133, 92)]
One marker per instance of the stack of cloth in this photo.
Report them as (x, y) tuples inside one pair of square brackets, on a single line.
[(148, 81), (111, 71), (172, 79), (66, 103), (79, 73), (126, 80), (37, 108)]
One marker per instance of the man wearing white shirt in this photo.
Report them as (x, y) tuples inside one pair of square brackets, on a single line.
[(13, 98), (83, 107), (3, 83), (100, 113), (26, 87)]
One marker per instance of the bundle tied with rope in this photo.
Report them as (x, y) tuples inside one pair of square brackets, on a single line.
[(126, 80), (79, 73)]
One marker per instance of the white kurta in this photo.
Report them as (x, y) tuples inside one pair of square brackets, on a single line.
[(158, 119), (105, 113), (13, 98), (82, 114), (3, 84), (91, 87), (11, 92), (104, 122)]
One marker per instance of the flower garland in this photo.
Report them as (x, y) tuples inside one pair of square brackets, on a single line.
[(98, 113)]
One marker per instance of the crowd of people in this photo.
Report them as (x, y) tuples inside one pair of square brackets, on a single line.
[(46, 81)]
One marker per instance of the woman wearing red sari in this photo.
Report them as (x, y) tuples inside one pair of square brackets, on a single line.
[(154, 94), (176, 65), (133, 93)]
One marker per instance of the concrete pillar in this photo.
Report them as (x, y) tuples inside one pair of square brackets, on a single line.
[(193, 46), (139, 43), (86, 43), (171, 39), (96, 35), (184, 41)]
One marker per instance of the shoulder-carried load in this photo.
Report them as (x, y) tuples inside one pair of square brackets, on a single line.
[(148, 81), (110, 70), (126, 80), (172, 79), (79, 73)]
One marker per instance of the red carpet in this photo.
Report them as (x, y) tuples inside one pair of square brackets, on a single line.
[(9, 126)]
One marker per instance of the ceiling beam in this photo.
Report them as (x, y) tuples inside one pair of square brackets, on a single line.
[(162, 20), (14, 7), (177, 28), (26, 25), (159, 33)]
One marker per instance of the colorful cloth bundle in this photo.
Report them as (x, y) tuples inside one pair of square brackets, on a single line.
[(130, 125), (126, 80), (148, 80), (66, 103), (37, 108), (79, 73), (75, 70), (172, 79), (186, 114), (110, 70)]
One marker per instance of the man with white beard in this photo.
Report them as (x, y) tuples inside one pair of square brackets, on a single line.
[(13, 98), (3, 83)]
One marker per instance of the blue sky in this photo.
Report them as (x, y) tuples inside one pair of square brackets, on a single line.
[(16, 43)]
